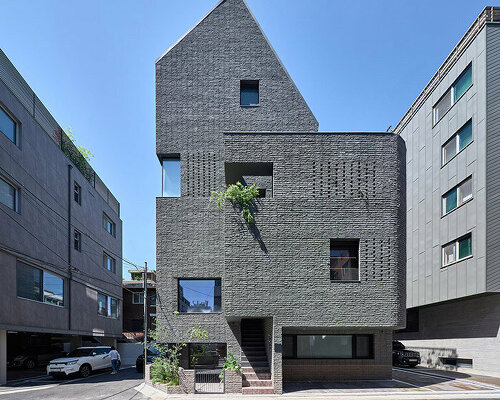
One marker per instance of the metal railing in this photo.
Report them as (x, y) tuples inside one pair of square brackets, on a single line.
[(489, 14), (208, 381), (13, 80)]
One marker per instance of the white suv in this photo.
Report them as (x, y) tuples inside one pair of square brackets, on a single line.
[(83, 360)]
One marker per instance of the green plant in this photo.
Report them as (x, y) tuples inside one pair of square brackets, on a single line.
[(230, 363), (86, 153), (238, 195), (165, 368)]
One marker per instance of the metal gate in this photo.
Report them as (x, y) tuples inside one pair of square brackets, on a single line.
[(208, 381)]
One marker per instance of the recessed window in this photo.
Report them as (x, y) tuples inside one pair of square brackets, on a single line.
[(152, 299), (344, 260), (457, 142), (171, 182), (109, 262), (457, 196), (8, 126), (9, 195), (259, 174), (138, 298), (77, 193), (453, 94), (39, 285), (457, 250), (77, 240), (107, 306), (249, 93), (109, 225), (200, 295), (321, 346)]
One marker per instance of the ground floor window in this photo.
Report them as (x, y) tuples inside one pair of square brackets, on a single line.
[(206, 355), (327, 346)]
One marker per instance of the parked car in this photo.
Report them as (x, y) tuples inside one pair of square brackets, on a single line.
[(152, 354), (34, 356), (81, 361), (403, 357)]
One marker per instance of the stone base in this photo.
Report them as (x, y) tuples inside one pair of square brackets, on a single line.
[(232, 381)]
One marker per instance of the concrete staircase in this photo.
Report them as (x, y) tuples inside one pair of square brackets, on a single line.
[(254, 364)]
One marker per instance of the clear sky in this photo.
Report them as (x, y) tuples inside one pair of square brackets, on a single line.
[(359, 64)]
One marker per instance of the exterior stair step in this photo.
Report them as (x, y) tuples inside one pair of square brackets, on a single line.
[(254, 364), (253, 358), (257, 383), (258, 390), (257, 375)]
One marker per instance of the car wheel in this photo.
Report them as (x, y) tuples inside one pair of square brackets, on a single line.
[(85, 370), (30, 363)]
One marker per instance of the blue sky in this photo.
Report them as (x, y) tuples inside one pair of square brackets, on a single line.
[(359, 65)]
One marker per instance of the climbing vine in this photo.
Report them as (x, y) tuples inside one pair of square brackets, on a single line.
[(238, 195)]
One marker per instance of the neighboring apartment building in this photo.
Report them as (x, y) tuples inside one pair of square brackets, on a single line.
[(133, 304), (60, 232), (315, 288), (452, 135)]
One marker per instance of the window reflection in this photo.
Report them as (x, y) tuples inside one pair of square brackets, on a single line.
[(171, 186), (200, 296)]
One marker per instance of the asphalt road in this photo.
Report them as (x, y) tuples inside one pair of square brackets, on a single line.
[(99, 386)]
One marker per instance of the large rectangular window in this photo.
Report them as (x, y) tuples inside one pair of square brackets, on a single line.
[(457, 196), (8, 126), (344, 260), (8, 195), (249, 93), (453, 94), (171, 182), (457, 142), (457, 250), (108, 224), (200, 295), (39, 285), (107, 306), (322, 346)]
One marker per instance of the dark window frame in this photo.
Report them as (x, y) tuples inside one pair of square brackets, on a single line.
[(17, 125), (105, 257), (105, 220), (345, 244), (250, 83), (197, 279), (42, 285), (17, 195), (77, 193), (77, 240), (354, 337)]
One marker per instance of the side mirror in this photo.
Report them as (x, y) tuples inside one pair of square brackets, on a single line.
[(93, 353)]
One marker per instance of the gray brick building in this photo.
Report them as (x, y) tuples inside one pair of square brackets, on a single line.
[(453, 280), (314, 289), (60, 236)]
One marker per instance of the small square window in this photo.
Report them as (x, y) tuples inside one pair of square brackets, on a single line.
[(77, 193), (249, 93), (77, 240), (344, 260), (138, 298)]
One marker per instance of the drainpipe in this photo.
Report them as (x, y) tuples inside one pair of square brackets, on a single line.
[(68, 297)]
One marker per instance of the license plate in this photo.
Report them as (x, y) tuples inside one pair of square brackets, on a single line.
[(412, 360)]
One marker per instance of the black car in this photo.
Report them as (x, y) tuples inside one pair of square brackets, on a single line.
[(34, 356), (403, 357), (152, 354)]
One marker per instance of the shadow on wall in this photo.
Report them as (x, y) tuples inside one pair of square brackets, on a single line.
[(431, 357), (252, 226)]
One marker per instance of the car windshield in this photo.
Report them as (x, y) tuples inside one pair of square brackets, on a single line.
[(398, 346), (80, 353)]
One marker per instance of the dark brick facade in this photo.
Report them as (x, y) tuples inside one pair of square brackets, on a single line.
[(324, 186)]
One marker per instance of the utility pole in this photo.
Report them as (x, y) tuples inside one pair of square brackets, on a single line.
[(145, 316)]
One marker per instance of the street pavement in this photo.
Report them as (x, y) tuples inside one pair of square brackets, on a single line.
[(406, 384), (99, 386)]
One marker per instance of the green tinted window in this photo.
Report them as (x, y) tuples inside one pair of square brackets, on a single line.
[(450, 201), (463, 83), (465, 247), (465, 136)]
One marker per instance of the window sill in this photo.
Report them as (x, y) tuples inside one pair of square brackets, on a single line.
[(345, 281), (249, 105), (40, 302), (198, 313), (105, 316), (456, 262), (456, 208), (456, 155)]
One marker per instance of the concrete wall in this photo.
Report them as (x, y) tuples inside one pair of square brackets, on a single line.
[(428, 180), (38, 233), (465, 328)]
